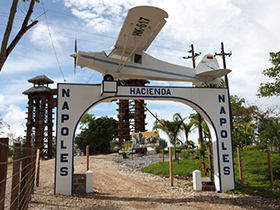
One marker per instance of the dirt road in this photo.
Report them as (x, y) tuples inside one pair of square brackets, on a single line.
[(119, 187)]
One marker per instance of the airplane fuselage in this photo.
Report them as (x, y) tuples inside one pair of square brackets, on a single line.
[(138, 66)]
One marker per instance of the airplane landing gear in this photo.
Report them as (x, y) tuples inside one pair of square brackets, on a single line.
[(108, 77)]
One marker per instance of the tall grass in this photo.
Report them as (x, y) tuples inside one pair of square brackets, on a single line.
[(254, 168)]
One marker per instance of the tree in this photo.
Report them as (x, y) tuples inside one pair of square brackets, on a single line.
[(243, 134), (268, 131), (5, 48), (205, 130), (97, 133), (244, 119), (186, 127), (271, 88), (173, 126), (3, 125), (242, 112)]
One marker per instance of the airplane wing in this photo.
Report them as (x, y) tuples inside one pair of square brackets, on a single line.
[(141, 26)]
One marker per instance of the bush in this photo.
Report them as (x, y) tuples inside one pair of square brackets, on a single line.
[(185, 155), (252, 147), (179, 150), (201, 151), (157, 150), (162, 144), (113, 144), (126, 145), (165, 151), (124, 155)]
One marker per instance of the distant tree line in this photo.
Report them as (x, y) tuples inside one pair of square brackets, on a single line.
[(251, 125)]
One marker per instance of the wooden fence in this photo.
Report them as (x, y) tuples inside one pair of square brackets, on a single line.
[(265, 168), (16, 175)]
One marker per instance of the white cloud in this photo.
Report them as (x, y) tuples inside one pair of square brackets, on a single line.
[(34, 60), (102, 15), (2, 99), (14, 114), (195, 20), (45, 36)]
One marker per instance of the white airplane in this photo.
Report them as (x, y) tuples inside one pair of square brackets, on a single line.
[(128, 59)]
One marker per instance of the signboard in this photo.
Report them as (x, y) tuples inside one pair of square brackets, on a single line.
[(74, 100), (145, 139)]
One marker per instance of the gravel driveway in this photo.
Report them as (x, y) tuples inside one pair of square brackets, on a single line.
[(119, 186)]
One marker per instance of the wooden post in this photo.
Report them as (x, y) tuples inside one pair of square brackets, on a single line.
[(15, 180), (30, 176), (23, 177), (4, 143), (210, 163), (270, 168), (239, 165), (33, 167), (37, 170), (170, 166), (87, 148), (27, 179)]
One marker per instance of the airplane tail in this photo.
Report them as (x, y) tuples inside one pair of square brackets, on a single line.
[(208, 62), (208, 70)]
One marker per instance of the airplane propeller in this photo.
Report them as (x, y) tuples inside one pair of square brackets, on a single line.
[(75, 59), (74, 55)]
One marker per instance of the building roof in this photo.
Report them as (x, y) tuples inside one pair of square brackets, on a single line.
[(38, 89), (42, 79)]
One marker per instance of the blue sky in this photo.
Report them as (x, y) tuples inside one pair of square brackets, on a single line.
[(248, 28)]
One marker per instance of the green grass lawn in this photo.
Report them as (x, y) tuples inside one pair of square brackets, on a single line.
[(184, 168), (255, 171)]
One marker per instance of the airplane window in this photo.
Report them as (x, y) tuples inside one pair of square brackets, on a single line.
[(138, 58), (109, 51)]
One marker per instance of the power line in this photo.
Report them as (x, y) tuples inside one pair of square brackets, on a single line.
[(53, 44), (60, 26)]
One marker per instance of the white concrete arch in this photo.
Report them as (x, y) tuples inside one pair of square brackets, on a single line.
[(74, 100)]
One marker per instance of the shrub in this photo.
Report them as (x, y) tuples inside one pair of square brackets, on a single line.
[(165, 151), (124, 155), (162, 144), (126, 145), (185, 155), (157, 150), (201, 151), (252, 147)]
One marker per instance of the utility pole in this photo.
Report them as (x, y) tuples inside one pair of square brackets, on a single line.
[(193, 56), (223, 54)]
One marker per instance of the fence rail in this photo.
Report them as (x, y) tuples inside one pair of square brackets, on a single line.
[(17, 175)]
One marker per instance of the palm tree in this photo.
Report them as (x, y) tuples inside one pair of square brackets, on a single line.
[(243, 133), (186, 127), (205, 129), (173, 127)]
